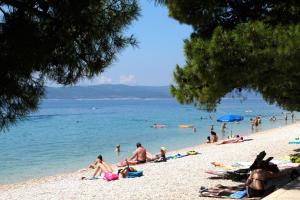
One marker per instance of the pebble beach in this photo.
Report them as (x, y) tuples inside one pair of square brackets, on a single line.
[(174, 179)]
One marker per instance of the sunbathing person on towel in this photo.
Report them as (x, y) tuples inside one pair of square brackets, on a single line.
[(237, 139)]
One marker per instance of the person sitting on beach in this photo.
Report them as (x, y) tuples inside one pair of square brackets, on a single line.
[(139, 155), (100, 167), (162, 156), (214, 137), (208, 140), (95, 163)]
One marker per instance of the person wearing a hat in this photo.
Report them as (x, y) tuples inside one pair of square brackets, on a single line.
[(162, 156)]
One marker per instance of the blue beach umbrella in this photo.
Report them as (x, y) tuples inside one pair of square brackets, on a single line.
[(230, 118)]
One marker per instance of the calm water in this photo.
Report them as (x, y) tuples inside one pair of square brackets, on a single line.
[(66, 135)]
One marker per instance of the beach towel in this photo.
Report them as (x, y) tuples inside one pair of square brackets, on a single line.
[(239, 194), (175, 156), (221, 191), (235, 175)]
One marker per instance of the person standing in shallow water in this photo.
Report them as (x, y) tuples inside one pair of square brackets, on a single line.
[(293, 116), (118, 148), (223, 127), (212, 127)]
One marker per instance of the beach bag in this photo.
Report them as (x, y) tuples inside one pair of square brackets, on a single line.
[(110, 176)]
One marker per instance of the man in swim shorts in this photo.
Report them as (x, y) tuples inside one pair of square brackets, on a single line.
[(139, 155)]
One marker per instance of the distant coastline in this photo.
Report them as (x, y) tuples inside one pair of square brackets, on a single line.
[(122, 92), (107, 91)]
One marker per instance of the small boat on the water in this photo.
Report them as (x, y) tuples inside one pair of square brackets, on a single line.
[(186, 126), (159, 126)]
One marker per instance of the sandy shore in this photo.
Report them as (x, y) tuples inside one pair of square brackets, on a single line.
[(175, 179)]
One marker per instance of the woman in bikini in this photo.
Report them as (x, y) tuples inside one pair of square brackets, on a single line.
[(102, 167)]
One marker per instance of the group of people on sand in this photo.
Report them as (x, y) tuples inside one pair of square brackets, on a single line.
[(139, 156), (212, 138)]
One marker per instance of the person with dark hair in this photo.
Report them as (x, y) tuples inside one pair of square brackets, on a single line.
[(264, 175), (214, 137), (139, 155), (208, 140), (94, 164), (102, 167), (118, 148)]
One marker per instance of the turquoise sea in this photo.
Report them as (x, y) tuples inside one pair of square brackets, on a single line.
[(66, 135)]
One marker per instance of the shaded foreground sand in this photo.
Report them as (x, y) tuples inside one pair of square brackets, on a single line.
[(175, 179)]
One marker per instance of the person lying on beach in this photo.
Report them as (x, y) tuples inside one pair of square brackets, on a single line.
[(236, 139)]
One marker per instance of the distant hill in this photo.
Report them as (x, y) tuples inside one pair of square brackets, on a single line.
[(107, 91), (120, 91)]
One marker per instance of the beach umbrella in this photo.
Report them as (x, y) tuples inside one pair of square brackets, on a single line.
[(230, 118)]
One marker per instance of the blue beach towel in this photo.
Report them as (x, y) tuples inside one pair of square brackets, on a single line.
[(239, 194), (175, 156), (134, 174)]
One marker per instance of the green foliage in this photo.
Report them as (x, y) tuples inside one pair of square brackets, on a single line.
[(59, 40), (253, 56), (206, 15), (238, 44)]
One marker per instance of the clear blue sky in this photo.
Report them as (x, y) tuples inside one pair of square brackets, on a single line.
[(160, 49)]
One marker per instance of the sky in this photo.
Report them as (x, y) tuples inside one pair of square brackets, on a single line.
[(160, 48)]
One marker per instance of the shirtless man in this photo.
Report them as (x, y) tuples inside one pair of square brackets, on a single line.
[(139, 155)]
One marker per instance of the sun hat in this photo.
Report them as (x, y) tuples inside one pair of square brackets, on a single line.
[(163, 148)]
